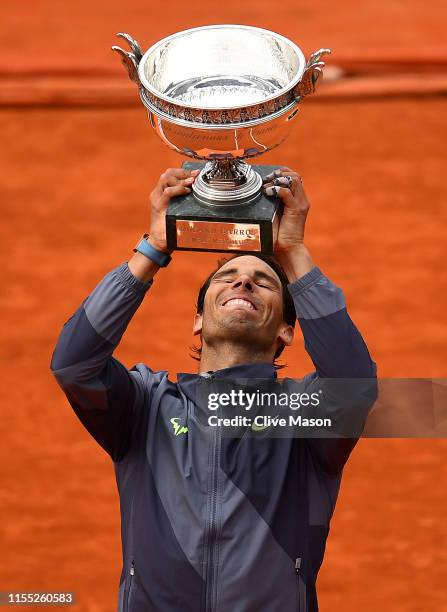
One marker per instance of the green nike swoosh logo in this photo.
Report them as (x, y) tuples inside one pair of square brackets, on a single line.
[(178, 429)]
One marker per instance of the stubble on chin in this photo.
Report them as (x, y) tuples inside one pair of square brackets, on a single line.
[(237, 321)]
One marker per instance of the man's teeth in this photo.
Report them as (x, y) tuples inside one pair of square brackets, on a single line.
[(239, 302)]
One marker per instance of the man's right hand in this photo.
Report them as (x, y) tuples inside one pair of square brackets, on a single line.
[(173, 182)]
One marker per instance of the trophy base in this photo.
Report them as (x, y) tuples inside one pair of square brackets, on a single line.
[(232, 227)]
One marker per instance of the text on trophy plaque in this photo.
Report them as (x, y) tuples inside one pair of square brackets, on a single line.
[(215, 235)]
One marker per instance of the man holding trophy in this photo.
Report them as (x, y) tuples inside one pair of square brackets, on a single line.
[(213, 523)]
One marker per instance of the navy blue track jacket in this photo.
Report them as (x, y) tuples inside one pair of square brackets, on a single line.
[(209, 523)]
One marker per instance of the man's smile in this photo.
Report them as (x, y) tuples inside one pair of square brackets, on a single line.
[(238, 302)]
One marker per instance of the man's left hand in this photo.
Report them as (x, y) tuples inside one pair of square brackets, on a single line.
[(286, 184), (289, 250)]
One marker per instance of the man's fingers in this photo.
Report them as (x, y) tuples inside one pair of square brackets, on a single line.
[(293, 182), (291, 202), (284, 171), (281, 173), (172, 192), (172, 181), (285, 177), (173, 176), (283, 193), (290, 182), (285, 181)]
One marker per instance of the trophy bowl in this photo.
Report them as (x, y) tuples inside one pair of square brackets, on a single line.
[(222, 93)]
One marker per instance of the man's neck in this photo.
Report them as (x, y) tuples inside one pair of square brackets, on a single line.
[(229, 355)]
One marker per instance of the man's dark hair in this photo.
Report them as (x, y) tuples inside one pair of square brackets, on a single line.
[(289, 314)]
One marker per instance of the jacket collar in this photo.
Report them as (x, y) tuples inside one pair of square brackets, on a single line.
[(187, 382)]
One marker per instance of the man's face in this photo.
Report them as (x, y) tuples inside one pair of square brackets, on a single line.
[(244, 304)]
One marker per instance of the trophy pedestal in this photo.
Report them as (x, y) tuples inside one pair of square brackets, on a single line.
[(223, 228)]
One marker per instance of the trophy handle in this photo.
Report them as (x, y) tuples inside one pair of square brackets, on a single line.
[(311, 74), (130, 59)]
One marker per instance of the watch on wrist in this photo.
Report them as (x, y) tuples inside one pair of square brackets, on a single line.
[(145, 248)]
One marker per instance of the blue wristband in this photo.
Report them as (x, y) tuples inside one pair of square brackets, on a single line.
[(158, 257)]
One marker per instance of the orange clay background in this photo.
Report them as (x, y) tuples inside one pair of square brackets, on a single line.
[(74, 187)]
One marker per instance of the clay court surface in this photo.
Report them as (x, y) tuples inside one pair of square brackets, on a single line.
[(74, 185)]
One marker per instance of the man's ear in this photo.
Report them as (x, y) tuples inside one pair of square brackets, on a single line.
[(286, 334), (197, 325)]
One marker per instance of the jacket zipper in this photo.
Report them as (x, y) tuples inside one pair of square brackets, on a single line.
[(131, 573), (212, 524), (302, 606)]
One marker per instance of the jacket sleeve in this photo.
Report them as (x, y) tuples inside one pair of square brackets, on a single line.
[(105, 395), (338, 351)]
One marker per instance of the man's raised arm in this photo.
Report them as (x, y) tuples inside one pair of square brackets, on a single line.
[(106, 396), (331, 339)]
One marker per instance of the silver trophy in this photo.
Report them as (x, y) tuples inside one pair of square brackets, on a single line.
[(223, 94)]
